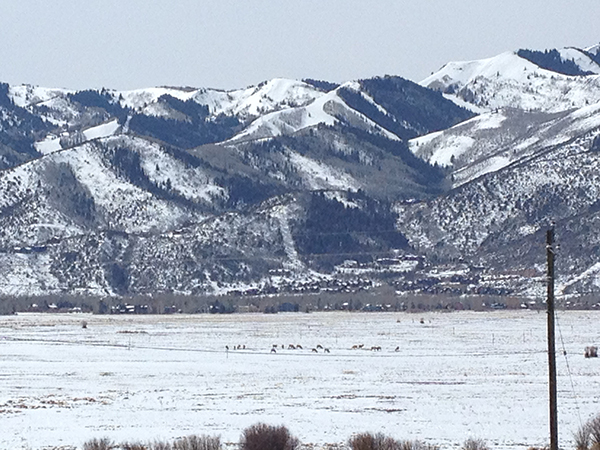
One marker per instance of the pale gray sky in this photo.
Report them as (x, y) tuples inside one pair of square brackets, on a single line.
[(128, 44)]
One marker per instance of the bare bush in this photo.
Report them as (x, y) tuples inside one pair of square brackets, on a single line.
[(416, 445), (134, 446), (98, 444), (582, 438), (268, 437), (475, 444), (587, 437), (194, 442), (593, 426), (160, 445), (370, 441)]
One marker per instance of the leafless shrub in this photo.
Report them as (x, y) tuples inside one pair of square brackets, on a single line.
[(268, 437), (416, 445), (194, 442), (370, 441), (593, 426), (582, 438), (134, 446), (160, 445), (587, 437), (98, 444), (475, 444)]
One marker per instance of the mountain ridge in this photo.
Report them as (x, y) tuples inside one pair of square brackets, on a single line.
[(297, 186)]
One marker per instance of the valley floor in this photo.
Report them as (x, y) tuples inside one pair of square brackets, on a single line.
[(438, 377)]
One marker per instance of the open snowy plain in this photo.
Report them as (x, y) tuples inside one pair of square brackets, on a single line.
[(140, 378)]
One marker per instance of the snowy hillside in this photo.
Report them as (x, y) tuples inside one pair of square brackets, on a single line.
[(306, 186), (510, 80), (494, 140)]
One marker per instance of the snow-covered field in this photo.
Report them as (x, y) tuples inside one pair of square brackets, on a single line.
[(139, 378)]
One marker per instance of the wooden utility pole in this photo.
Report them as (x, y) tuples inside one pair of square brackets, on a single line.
[(551, 341)]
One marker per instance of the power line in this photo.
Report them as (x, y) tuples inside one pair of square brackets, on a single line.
[(575, 396)]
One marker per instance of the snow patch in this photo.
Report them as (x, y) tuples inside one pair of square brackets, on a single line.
[(583, 61), (318, 175), (140, 98), (49, 145), (591, 272), (104, 130), (488, 121), (26, 95), (455, 146)]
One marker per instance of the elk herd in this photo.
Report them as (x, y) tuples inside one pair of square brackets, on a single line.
[(317, 349), (589, 352)]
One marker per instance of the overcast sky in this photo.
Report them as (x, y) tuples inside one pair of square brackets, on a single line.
[(128, 44)]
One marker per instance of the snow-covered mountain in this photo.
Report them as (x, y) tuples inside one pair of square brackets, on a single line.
[(495, 140), (119, 193), (292, 186), (541, 81), (530, 160)]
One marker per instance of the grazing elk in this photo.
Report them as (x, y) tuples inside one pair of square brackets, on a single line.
[(326, 350), (314, 350), (591, 352)]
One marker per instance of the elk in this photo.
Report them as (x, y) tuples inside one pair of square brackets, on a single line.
[(591, 352)]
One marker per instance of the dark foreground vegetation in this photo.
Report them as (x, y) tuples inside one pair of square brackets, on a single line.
[(261, 436), (269, 437)]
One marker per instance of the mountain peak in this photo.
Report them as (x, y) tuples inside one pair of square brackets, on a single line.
[(551, 80), (594, 49)]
